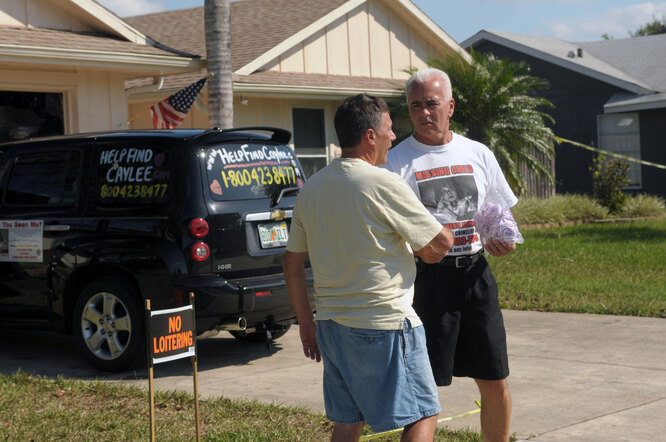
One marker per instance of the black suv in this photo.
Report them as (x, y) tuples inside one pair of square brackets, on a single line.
[(92, 225)]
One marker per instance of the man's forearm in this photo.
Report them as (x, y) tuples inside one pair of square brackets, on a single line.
[(294, 273)]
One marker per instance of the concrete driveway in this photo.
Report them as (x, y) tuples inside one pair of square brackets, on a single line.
[(574, 377)]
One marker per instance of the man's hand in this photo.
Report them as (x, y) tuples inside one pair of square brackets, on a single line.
[(308, 332), (431, 255), (437, 248), (499, 248)]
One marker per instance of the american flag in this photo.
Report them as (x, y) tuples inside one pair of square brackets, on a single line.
[(170, 112)]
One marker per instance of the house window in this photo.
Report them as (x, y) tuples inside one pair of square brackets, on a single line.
[(309, 139), (619, 133)]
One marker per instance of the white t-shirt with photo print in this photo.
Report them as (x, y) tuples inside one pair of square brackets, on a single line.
[(452, 181)]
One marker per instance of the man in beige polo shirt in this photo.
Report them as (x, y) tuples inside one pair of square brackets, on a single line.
[(359, 225)]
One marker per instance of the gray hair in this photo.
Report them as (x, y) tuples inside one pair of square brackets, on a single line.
[(423, 75)]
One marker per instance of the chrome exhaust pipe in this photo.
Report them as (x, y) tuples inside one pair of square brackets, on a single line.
[(239, 325)]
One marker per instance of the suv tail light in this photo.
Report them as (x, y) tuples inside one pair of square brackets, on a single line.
[(200, 251), (198, 227)]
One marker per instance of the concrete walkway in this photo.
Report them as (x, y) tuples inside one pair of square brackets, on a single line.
[(574, 377)]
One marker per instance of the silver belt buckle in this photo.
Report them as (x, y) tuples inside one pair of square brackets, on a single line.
[(458, 259)]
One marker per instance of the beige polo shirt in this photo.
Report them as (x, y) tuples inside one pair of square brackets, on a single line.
[(357, 223)]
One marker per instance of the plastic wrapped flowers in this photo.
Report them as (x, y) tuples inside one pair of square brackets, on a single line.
[(494, 221)]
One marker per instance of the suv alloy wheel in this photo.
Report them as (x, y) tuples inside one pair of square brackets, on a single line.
[(108, 324)]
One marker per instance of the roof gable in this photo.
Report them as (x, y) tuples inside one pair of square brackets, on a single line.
[(256, 26), (263, 30), (589, 62), (106, 20)]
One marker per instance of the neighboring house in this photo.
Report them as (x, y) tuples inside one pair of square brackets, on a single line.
[(64, 64), (607, 94), (293, 62)]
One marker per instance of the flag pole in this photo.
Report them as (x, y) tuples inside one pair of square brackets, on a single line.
[(134, 117)]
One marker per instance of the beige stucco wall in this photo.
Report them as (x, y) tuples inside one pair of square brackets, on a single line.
[(259, 111), (92, 99), (371, 40)]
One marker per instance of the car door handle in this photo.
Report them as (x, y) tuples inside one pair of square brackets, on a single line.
[(56, 228)]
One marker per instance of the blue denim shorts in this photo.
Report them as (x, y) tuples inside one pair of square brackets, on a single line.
[(382, 377)]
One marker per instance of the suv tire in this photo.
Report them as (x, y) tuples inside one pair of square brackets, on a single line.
[(109, 324)]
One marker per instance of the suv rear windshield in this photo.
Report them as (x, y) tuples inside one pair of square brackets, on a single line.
[(251, 171)]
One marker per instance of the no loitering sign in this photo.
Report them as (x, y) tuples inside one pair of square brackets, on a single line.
[(172, 334)]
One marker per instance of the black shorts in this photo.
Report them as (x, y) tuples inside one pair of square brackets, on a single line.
[(463, 321)]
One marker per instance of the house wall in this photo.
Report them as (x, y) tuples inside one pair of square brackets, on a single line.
[(578, 100), (92, 100), (259, 111), (370, 41)]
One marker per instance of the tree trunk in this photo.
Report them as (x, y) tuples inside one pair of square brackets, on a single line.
[(218, 56)]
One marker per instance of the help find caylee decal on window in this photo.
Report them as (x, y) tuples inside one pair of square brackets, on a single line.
[(252, 165), (133, 174), (21, 240)]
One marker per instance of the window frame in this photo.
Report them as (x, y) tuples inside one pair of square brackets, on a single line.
[(325, 148), (603, 140)]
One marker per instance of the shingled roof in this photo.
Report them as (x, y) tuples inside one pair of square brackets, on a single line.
[(257, 26), (637, 65), (643, 58), (48, 38), (42, 46)]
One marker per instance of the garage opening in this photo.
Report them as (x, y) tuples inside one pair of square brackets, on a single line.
[(30, 114)]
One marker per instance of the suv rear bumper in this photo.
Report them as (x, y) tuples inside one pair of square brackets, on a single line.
[(260, 300)]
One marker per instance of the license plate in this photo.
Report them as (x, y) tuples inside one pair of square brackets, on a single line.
[(273, 235)]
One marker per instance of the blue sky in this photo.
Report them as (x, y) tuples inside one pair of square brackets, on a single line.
[(573, 20)]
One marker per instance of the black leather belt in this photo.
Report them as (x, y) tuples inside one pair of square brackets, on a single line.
[(460, 261)]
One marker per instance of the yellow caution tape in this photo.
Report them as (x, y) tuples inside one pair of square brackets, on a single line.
[(444, 419), (612, 154)]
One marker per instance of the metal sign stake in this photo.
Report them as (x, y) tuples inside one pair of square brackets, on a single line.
[(151, 391), (195, 377)]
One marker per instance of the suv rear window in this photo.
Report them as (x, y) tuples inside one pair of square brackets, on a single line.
[(251, 171)]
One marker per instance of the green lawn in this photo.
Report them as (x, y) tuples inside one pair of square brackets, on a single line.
[(33, 408), (607, 268)]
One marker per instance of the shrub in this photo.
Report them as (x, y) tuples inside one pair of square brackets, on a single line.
[(609, 178), (558, 209), (643, 206)]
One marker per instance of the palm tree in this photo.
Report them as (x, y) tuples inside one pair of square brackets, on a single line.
[(217, 22), (495, 105)]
